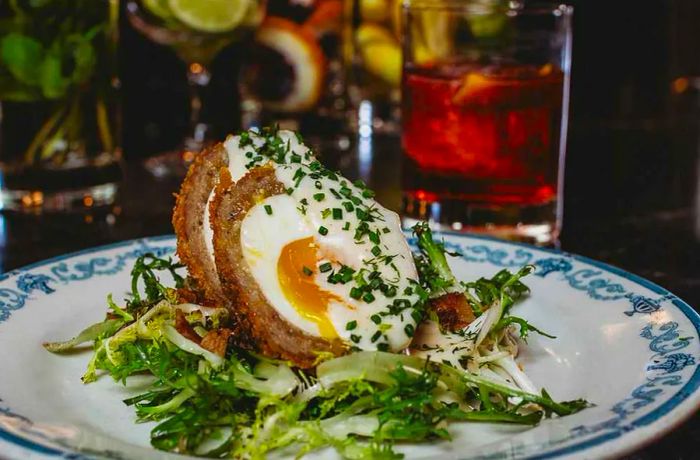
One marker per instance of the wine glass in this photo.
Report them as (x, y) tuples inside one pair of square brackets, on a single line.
[(196, 30)]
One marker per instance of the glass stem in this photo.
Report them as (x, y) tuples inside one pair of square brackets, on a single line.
[(198, 78)]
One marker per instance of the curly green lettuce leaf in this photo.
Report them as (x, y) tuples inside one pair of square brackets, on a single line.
[(89, 334)]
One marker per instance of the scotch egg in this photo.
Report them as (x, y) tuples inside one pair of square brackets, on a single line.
[(306, 257)]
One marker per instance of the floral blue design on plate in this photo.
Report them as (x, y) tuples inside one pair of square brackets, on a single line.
[(623, 343)]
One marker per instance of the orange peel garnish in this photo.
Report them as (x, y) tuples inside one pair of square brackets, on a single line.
[(325, 18), (302, 52)]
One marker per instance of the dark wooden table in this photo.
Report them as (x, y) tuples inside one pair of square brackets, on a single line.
[(607, 217)]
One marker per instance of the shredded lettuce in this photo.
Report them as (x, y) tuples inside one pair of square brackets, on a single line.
[(89, 334), (243, 405)]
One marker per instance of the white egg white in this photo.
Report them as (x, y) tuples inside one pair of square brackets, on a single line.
[(303, 213)]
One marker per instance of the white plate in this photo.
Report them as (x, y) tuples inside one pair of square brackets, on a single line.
[(625, 344)]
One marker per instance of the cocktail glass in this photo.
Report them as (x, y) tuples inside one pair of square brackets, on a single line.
[(197, 30), (484, 112)]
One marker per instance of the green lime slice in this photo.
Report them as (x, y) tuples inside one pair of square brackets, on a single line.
[(210, 15), (158, 8)]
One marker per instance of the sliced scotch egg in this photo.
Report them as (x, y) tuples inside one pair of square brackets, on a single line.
[(191, 214), (311, 261)]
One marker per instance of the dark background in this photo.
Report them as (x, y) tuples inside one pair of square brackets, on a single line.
[(632, 197)]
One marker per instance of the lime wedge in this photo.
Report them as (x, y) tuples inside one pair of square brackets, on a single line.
[(210, 15), (158, 8)]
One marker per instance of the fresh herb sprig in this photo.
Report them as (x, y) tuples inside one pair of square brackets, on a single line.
[(431, 262), (504, 287), (144, 273)]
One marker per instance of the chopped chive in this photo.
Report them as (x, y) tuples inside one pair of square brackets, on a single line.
[(268, 209), (386, 230), (376, 336), (304, 201), (345, 274), (383, 346), (348, 206), (307, 271), (337, 214), (376, 319), (319, 196), (356, 293), (401, 303), (325, 213), (289, 191), (368, 297), (296, 158), (245, 139), (367, 193), (323, 230), (346, 226), (355, 338), (325, 267), (376, 250), (374, 237), (351, 325), (318, 184), (409, 330)]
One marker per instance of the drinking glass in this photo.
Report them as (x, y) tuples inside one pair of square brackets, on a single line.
[(484, 111), (293, 75), (59, 115), (373, 64), (197, 30)]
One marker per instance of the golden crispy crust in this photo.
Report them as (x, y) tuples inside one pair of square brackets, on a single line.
[(188, 217), (217, 340), (453, 311), (184, 328), (273, 335)]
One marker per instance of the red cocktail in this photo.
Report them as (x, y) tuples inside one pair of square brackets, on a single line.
[(487, 135), (482, 118)]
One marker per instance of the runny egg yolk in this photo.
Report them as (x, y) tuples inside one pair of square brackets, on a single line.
[(299, 287)]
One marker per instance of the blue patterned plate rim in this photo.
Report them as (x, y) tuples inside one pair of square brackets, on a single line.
[(691, 386)]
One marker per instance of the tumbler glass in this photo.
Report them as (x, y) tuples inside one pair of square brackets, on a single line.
[(484, 110), (59, 112)]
